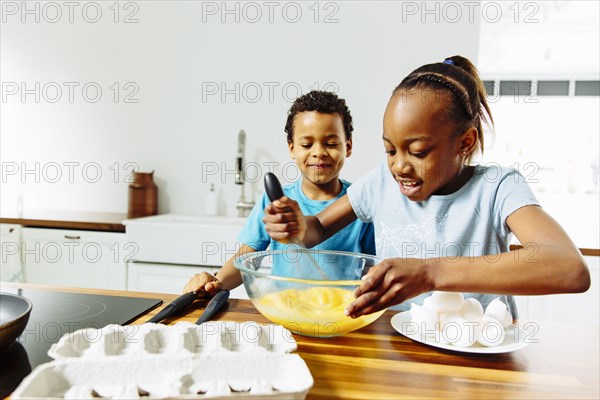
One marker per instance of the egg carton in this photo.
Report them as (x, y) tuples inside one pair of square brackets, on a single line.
[(181, 338), (150, 361)]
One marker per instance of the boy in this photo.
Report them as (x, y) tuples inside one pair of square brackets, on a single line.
[(319, 135)]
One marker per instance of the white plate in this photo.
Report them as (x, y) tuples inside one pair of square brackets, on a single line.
[(515, 338)]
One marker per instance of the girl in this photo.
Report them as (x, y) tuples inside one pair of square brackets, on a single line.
[(441, 223), (319, 135)]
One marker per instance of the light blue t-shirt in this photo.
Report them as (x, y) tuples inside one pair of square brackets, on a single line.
[(356, 237), (469, 222)]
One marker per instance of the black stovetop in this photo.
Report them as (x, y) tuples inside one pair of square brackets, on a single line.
[(57, 313)]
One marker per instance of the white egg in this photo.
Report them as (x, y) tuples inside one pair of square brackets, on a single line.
[(458, 331), (497, 310), (492, 332), (472, 310), (448, 317), (415, 311), (446, 301), (425, 318), (428, 303)]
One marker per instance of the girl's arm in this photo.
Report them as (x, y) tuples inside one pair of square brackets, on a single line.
[(548, 263), (284, 220)]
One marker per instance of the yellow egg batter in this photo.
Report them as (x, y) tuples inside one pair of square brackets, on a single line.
[(317, 312)]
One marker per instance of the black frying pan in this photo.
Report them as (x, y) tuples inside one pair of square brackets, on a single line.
[(14, 314)]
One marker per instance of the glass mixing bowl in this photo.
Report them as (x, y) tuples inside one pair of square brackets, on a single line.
[(306, 291)]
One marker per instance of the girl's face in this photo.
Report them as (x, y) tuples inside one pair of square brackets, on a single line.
[(319, 146), (423, 153)]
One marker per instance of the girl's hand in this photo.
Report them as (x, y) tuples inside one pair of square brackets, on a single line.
[(204, 284), (391, 282), (284, 220)]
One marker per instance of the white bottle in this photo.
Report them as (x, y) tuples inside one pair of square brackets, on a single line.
[(211, 202)]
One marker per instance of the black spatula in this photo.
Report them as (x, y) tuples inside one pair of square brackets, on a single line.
[(274, 192)]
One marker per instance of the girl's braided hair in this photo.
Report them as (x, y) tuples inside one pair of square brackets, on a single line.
[(458, 77)]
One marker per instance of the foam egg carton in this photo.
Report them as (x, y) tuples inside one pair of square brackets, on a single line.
[(152, 361)]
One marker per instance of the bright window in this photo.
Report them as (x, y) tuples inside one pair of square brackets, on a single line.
[(540, 61)]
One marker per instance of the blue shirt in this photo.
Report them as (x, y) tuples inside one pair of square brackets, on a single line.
[(357, 237)]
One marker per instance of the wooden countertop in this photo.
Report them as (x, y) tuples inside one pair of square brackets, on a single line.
[(376, 362), (94, 221)]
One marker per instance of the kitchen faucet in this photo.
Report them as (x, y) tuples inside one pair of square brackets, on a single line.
[(243, 206)]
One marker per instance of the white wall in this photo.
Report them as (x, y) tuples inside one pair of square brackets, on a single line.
[(171, 54)]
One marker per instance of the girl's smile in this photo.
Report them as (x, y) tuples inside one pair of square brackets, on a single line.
[(409, 187)]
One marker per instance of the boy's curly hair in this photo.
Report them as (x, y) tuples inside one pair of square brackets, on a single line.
[(322, 102)]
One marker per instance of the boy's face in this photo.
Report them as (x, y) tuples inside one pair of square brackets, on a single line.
[(423, 154), (319, 146)]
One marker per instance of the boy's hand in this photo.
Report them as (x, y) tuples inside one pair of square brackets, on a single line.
[(389, 283), (204, 284), (284, 220)]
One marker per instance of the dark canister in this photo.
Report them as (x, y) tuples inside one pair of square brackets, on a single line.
[(143, 195)]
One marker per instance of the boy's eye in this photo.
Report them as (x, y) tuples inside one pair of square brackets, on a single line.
[(333, 144), (391, 152), (306, 145)]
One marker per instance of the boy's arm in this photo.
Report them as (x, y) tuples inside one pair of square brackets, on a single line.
[(228, 277), (548, 263)]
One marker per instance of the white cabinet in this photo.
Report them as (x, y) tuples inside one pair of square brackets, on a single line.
[(185, 240), (172, 248), (10, 265), (168, 278), (581, 308), (75, 258)]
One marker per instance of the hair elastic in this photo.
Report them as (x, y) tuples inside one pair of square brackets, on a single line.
[(448, 61)]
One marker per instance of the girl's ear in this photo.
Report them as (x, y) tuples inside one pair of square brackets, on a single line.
[(291, 149), (348, 147), (468, 141)]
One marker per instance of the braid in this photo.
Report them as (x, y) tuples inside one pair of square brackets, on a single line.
[(467, 102), (455, 87)]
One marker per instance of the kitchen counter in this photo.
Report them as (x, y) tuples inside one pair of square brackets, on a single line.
[(93, 221), (376, 362)]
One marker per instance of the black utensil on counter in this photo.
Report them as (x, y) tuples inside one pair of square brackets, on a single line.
[(185, 300), (274, 192), (213, 306), (175, 307)]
